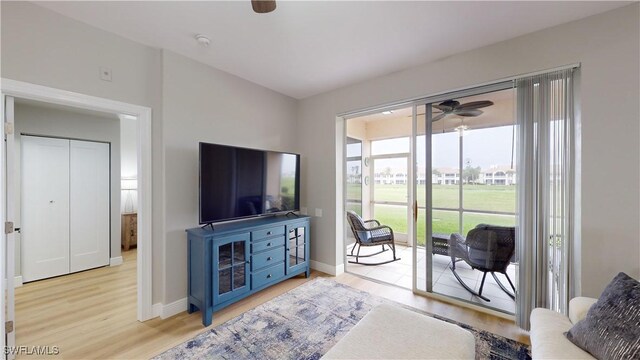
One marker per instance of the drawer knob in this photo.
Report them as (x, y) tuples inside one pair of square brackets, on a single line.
[(268, 232), (269, 258), (268, 244), (269, 276)]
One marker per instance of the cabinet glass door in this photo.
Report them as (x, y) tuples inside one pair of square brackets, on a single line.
[(297, 248), (231, 276)]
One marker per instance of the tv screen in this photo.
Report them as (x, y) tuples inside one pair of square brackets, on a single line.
[(238, 182)]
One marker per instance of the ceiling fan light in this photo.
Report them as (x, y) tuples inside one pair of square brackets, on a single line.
[(263, 6)]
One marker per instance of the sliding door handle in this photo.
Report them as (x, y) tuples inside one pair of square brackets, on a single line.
[(415, 211)]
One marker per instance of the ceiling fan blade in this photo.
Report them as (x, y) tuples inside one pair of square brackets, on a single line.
[(439, 117), (443, 108), (263, 6), (474, 105), (470, 112)]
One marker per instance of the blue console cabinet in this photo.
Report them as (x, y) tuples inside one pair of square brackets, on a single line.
[(235, 260)]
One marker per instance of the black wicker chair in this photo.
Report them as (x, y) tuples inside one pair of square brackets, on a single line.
[(367, 235), (486, 248)]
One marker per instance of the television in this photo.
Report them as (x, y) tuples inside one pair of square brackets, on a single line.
[(238, 183)]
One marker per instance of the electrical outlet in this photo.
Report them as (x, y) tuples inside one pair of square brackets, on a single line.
[(105, 73), (318, 212), (303, 210)]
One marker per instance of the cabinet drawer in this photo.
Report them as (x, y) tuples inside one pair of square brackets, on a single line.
[(265, 233), (267, 258), (267, 244), (267, 275)]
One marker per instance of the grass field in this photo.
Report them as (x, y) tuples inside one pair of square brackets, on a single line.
[(475, 197)]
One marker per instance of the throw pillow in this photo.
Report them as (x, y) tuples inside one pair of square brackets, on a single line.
[(611, 329)]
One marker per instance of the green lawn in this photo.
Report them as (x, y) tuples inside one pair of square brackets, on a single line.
[(445, 222), (476, 197), (354, 191)]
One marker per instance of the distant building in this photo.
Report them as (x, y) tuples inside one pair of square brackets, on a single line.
[(494, 175), (498, 175), (445, 176)]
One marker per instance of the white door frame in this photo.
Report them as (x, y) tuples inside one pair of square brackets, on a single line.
[(24, 90)]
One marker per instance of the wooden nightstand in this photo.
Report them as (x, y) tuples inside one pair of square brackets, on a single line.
[(129, 230)]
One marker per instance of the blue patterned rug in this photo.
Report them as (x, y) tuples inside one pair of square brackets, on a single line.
[(305, 323)]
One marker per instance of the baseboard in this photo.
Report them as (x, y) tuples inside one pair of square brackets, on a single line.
[(326, 268), (115, 261), (156, 310), (17, 282), (173, 308)]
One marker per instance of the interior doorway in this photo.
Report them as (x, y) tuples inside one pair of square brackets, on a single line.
[(15, 91)]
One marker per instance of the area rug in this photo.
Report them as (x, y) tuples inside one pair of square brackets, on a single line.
[(305, 323)]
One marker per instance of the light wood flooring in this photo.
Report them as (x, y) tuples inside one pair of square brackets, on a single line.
[(92, 314)]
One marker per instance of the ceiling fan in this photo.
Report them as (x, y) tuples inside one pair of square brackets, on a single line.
[(263, 6), (453, 107)]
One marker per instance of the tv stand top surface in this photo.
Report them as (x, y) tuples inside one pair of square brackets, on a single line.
[(242, 225)]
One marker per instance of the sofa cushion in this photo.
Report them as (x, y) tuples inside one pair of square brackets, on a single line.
[(547, 337), (391, 332), (610, 330), (578, 308)]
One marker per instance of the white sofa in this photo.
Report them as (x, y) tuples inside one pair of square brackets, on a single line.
[(548, 327)]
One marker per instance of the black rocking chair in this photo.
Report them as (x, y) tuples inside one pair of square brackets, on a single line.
[(367, 235), (486, 248)]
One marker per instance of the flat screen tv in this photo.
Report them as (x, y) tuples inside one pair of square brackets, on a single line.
[(238, 182)]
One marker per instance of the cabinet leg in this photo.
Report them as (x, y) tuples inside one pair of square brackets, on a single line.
[(192, 308), (308, 273), (207, 317)]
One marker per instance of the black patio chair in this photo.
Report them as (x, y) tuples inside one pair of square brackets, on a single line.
[(487, 248), (370, 233)]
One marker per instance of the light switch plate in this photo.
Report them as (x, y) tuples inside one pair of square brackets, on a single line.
[(318, 212)]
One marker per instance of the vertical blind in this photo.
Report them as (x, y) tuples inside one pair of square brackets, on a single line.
[(546, 153)]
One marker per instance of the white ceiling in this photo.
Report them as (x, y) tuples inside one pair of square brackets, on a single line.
[(307, 47)]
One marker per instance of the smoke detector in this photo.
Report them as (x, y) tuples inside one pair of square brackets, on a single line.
[(203, 40)]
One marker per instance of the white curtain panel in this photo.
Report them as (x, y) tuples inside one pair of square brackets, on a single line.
[(546, 188)]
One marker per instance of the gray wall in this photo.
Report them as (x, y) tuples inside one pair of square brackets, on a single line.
[(56, 122), (201, 103), (45, 48), (607, 45), (204, 104)]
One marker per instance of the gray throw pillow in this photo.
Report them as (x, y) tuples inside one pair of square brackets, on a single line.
[(611, 329)]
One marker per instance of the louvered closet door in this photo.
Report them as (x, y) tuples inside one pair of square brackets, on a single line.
[(45, 207), (90, 206)]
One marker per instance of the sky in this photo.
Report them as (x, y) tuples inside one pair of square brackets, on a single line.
[(484, 147)]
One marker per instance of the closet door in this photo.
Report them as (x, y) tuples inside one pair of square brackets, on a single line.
[(90, 205), (45, 207)]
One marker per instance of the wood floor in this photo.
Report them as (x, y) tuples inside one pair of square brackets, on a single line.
[(92, 314)]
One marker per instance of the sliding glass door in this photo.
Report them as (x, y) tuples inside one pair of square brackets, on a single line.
[(433, 172), (441, 172), (469, 199)]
